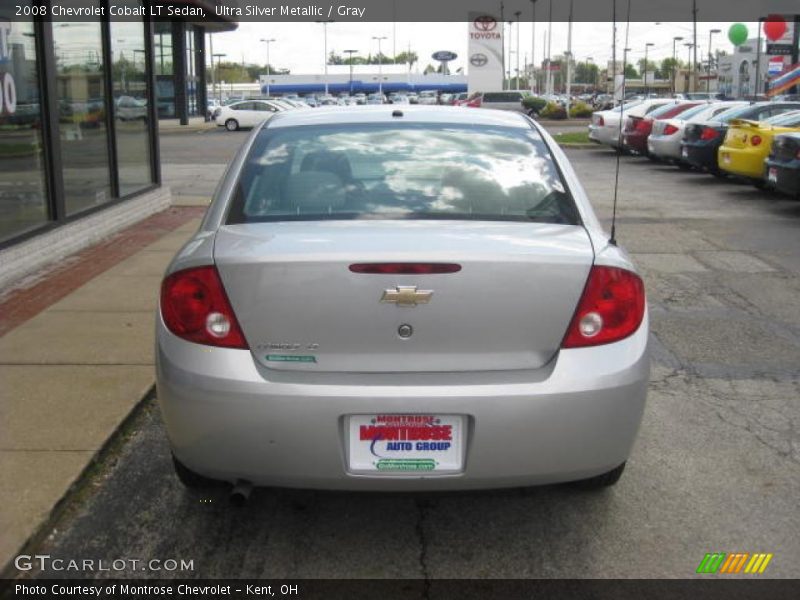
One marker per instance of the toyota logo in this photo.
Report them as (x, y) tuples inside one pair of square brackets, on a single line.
[(478, 60), (485, 23)]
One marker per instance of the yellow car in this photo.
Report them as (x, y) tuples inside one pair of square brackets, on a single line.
[(747, 144)]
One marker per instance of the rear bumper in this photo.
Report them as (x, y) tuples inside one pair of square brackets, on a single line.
[(228, 418), (664, 146), (787, 178), (745, 162), (703, 156), (635, 142), (604, 135)]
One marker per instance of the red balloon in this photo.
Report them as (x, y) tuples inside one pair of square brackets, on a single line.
[(774, 27)]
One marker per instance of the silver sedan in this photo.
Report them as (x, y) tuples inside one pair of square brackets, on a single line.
[(414, 298), (664, 141)]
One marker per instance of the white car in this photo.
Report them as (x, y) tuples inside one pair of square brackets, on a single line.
[(427, 97), (605, 126), (247, 113)]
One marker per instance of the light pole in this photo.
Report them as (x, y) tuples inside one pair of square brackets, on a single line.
[(380, 64), (325, 49), (517, 14), (688, 46), (533, 47), (350, 61), (708, 74), (646, 46), (219, 56), (548, 89), (674, 64), (267, 42)]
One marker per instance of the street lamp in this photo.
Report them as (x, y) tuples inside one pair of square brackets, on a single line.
[(708, 74), (533, 47), (219, 89), (688, 46), (517, 14), (267, 42), (674, 63), (646, 46), (325, 49), (350, 60), (380, 63)]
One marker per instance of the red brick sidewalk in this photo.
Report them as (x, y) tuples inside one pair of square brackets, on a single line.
[(23, 303)]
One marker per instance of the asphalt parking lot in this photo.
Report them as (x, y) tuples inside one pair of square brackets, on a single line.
[(716, 466)]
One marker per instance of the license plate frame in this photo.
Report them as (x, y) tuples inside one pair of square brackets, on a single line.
[(392, 446)]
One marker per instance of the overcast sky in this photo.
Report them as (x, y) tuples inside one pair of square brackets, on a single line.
[(299, 46)]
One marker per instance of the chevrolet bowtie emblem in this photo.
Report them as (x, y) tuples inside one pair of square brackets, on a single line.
[(406, 295)]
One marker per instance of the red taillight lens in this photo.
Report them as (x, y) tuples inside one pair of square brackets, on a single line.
[(644, 124), (670, 129), (601, 121), (405, 268), (611, 308), (755, 140), (709, 133), (194, 307)]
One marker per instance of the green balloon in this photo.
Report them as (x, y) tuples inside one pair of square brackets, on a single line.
[(737, 34)]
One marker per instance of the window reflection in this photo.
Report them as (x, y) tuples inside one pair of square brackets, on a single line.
[(84, 138), (23, 196), (131, 118)]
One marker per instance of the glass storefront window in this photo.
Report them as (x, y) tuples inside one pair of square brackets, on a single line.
[(131, 116), (82, 114), (165, 79), (23, 195)]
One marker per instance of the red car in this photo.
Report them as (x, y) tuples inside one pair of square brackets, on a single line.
[(637, 129)]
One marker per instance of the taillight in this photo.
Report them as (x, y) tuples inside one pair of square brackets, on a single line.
[(644, 124), (709, 133), (600, 121), (194, 306), (755, 140), (798, 154), (669, 129), (611, 308)]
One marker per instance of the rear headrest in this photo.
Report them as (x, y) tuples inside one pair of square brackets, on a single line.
[(315, 192), (332, 162)]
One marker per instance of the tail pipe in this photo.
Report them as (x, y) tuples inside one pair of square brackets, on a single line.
[(240, 492)]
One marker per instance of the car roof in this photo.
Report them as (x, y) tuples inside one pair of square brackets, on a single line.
[(411, 114)]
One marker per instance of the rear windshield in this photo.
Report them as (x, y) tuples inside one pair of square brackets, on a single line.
[(695, 110), (733, 113), (400, 171), (788, 119)]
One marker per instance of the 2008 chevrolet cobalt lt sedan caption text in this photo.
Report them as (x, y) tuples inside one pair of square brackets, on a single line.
[(401, 299)]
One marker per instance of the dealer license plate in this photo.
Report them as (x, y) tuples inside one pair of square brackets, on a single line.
[(772, 175), (406, 443)]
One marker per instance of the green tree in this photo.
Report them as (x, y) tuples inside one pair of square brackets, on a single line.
[(406, 57), (631, 72), (585, 72)]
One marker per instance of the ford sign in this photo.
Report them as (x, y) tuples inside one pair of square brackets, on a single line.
[(444, 55)]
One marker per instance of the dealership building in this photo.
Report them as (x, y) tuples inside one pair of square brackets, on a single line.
[(79, 110)]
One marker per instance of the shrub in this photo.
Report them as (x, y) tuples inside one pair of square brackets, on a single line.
[(553, 111), (580, 109), (534, 102)]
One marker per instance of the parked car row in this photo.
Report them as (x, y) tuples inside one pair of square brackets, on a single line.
[(755, 141)]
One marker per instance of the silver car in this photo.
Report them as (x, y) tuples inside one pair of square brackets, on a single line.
[(414, 298), (664, 141)]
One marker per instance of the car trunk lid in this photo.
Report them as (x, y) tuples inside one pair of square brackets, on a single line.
[(301, 307)]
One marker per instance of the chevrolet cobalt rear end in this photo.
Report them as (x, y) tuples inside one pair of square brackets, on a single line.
[(415, 299)]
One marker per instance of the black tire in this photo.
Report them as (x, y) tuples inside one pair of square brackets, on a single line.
[(718, 173), (232, 125), (761, 184), (600, 481), (192, 480), (683, 166)]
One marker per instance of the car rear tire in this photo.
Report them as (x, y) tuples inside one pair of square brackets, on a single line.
[(232, 125), (683, 166), (600, 481), (192, 480)]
